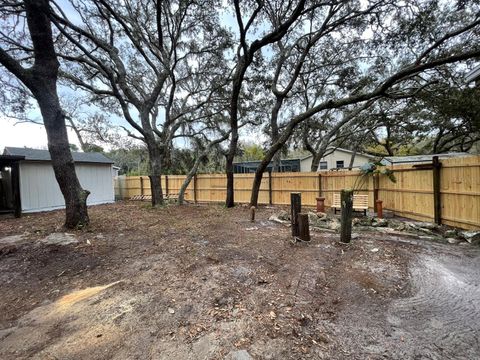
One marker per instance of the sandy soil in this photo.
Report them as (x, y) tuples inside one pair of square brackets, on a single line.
[(200, 282)]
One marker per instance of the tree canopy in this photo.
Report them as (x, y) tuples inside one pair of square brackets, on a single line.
[(190, 81)]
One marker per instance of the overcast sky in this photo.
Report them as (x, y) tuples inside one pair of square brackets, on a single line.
[(25, 134), (17, 134)]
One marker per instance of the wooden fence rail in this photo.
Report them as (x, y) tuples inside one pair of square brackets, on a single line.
[(447, 193)]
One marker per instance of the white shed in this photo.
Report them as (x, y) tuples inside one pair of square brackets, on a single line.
[(39, 190)]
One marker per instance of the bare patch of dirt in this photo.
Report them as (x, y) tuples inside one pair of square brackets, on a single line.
[(198, 282)]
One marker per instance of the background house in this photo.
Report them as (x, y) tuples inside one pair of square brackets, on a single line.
[(286, 165), (28, 180), (337, 158)]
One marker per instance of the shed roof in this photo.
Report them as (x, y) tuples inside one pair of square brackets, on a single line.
[(44, 155), (473, 75), (8, 160), (331, 149), (420, 158)]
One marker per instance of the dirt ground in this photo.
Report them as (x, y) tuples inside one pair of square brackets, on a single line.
[(202, 282)]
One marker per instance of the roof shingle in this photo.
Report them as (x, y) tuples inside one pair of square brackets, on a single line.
[(44, 155)]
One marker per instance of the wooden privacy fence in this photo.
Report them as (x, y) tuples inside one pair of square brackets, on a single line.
[(447, 193)]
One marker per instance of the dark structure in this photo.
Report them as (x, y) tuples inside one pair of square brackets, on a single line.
[(10, 184), (287, 165)]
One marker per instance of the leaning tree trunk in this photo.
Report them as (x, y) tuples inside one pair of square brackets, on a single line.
[(62, 161), (315, 162), (257, 180), (42, 81), (188, 179), (352, 160), (318, 155)]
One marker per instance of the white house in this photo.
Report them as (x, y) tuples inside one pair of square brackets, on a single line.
[(30, 172), (336, 158)]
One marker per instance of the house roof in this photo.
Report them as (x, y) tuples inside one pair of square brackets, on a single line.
[(44, 155), (342, 150), (8, 160), (387, 160), (473, 75)]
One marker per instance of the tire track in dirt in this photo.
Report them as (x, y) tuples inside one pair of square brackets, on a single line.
[(441, 319)]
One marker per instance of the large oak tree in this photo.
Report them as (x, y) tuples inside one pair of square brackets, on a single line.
[(31, 58)]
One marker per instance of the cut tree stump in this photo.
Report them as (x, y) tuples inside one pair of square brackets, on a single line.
[(303, 227), (346, 199), (296, 208)]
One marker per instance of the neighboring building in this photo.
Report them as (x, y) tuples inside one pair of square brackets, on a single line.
[(286, 165), (28, 182), (473, 76), (417, 159), (337, 158)]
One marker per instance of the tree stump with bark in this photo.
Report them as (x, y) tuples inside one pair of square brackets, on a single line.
[(296, 208), (303, 227), (346, 199)]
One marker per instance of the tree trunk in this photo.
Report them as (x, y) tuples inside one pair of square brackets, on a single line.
[(188, 179), (42, 81), (232, 148), (62, 161), (346, 199), (257, 180), (315, 162), (155, 161), (275, 132), (320, 153), (230, 200), (277, 162), (352, 159)]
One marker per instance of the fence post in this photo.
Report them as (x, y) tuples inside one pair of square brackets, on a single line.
[(437, 202), (195, 188), (166, 185), (270, 200), (141, 185), (376, 185), (319, 185), (379, 209), (296, 208)]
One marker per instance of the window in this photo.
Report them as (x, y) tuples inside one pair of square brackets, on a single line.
[(323, 165), (340, 164)]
